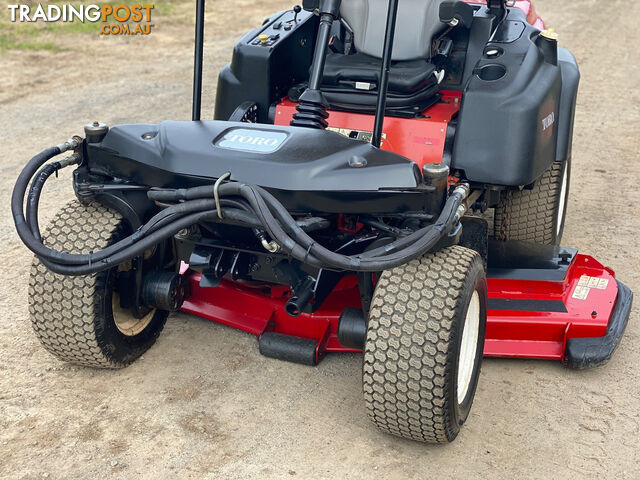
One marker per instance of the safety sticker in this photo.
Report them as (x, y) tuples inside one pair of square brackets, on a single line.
[(586, 283), (581, 292)]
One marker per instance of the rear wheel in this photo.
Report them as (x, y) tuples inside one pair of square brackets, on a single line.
[(79, 319), (424, 345), (536, 215)]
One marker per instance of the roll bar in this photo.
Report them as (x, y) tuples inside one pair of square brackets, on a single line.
[(197, 62)]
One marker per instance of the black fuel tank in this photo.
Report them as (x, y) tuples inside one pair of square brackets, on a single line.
[(512, 107)]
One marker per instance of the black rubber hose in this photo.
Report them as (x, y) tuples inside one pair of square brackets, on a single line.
[(139, 247), (446, 217), (165, 224), (166, 195), (417, 243), (304, 248), (166, 216), (133, 245), (33, 198), (82, 264), (29, 231), (163, 218), (17, 196)]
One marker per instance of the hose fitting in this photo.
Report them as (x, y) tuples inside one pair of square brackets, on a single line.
[(462, 189), (70, 144), (72, 159), (270, 246)]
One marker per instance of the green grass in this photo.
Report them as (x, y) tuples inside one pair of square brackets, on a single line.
[(7, 43), (34, 36)]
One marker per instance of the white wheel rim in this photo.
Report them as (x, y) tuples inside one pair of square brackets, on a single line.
[(125, 322), (468, 347), (563, 194)]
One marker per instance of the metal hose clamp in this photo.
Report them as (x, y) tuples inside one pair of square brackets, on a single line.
[(215, 192)]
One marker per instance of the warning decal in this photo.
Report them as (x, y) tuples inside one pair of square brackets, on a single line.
[(586, 283)]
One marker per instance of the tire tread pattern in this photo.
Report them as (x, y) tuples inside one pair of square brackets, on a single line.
[(64, 308), (406, 366), (531, 215)]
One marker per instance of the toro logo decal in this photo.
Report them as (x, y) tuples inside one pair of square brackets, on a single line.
[(251, 140), (548, 121)]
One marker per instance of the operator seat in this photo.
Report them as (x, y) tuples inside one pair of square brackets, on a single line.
[(350, 80), (417, 23)]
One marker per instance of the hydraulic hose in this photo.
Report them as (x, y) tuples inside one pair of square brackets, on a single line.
[(304, 248), (232, 202), (418, 243), (33, 198), (139, 247), (30, 239), (157, 230), (443, 224)]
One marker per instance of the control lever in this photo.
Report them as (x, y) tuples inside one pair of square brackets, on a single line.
[(312, 109), (296, 10)]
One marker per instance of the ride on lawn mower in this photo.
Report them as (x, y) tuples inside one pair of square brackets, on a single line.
[(386, 177)]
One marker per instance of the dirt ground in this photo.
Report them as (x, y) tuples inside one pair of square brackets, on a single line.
[(203, 403)]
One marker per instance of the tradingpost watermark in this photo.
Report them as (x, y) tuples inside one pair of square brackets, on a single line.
[(117, 19)]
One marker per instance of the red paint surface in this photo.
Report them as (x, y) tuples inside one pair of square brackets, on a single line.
[(545, 334), (418, 139), (509, 333)]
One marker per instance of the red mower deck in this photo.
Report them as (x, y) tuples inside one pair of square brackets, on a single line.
[(544, 303)]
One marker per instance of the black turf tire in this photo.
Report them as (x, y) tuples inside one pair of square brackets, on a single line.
[(73, 316), (533, 215), (416, 322)]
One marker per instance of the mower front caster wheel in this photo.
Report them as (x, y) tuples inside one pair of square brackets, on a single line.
[(79, 319), (424, 345)]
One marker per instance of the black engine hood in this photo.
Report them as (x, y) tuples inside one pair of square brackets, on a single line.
[(176, 154)]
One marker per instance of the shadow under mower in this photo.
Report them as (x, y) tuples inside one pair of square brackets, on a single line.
[(341, 201)]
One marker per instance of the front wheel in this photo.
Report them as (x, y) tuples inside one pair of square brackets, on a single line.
[(424, 345)]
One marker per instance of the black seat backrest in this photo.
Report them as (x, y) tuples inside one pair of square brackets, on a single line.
[(418, 22)]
